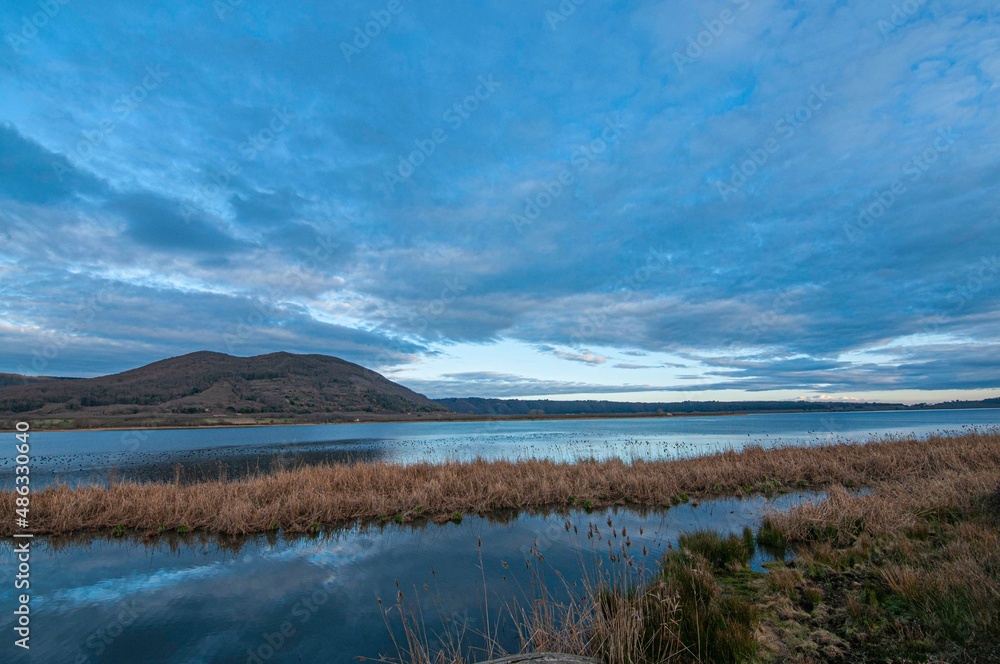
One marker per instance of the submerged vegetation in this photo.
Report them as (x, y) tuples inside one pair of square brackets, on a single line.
[(683, 611), (898, 560), (908, 571)]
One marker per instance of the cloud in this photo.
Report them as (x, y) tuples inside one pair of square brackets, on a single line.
[(159, 224), (29, 173), (500, 385), (584, 356), (850, 225), (934, 366), (100, 326)]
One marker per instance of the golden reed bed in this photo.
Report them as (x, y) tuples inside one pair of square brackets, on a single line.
[(303, 499)]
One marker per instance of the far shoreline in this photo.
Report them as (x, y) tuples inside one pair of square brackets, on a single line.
[(462, 417), (456, 418)]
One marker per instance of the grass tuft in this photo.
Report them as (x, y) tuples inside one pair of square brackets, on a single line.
[(771, 538), (721, 552)]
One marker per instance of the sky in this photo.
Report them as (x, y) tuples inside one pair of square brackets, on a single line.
[(655, 201)]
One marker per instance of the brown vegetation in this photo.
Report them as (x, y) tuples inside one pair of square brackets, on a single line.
[(619, 614), (909, 571), (309, 498)]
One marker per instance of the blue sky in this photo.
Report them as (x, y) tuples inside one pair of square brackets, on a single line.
[(628, 200)]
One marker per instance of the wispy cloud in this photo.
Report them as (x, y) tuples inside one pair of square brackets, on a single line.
[(586, 357), (495, 384)]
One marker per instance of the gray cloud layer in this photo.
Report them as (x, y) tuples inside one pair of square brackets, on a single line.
[(810, 203)]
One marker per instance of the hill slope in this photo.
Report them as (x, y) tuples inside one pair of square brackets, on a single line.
[(216, 384), (7, 379)]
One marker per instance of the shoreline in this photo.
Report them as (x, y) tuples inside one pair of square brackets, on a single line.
[(457, 417), (460, 417), (317, 497)]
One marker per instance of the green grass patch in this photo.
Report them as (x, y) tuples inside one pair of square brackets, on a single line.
[(720, 552), (714, 624), (771, 538)]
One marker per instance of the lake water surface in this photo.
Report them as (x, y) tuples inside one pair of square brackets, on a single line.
[(192, 600), (185, 601), (75, 456)]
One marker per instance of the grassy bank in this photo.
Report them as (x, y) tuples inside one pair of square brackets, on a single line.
[(909, 571), (310, 498)]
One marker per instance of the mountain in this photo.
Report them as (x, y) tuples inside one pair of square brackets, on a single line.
[(207, 387)]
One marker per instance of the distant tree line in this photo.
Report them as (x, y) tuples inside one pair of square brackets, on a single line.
[(481, 406)]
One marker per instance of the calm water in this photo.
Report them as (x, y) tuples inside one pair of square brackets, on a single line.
[(189, 602), (90, 455), (186, 600)]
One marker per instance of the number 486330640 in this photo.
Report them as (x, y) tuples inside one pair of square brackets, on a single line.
[(22, 472)]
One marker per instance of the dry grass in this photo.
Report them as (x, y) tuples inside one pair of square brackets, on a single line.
[(683, 614), (305, 499), (622, 614), (910, 570), (894, 507)]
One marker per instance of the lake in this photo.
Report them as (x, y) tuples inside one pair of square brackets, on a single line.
[(97, 456), (191, 601)]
